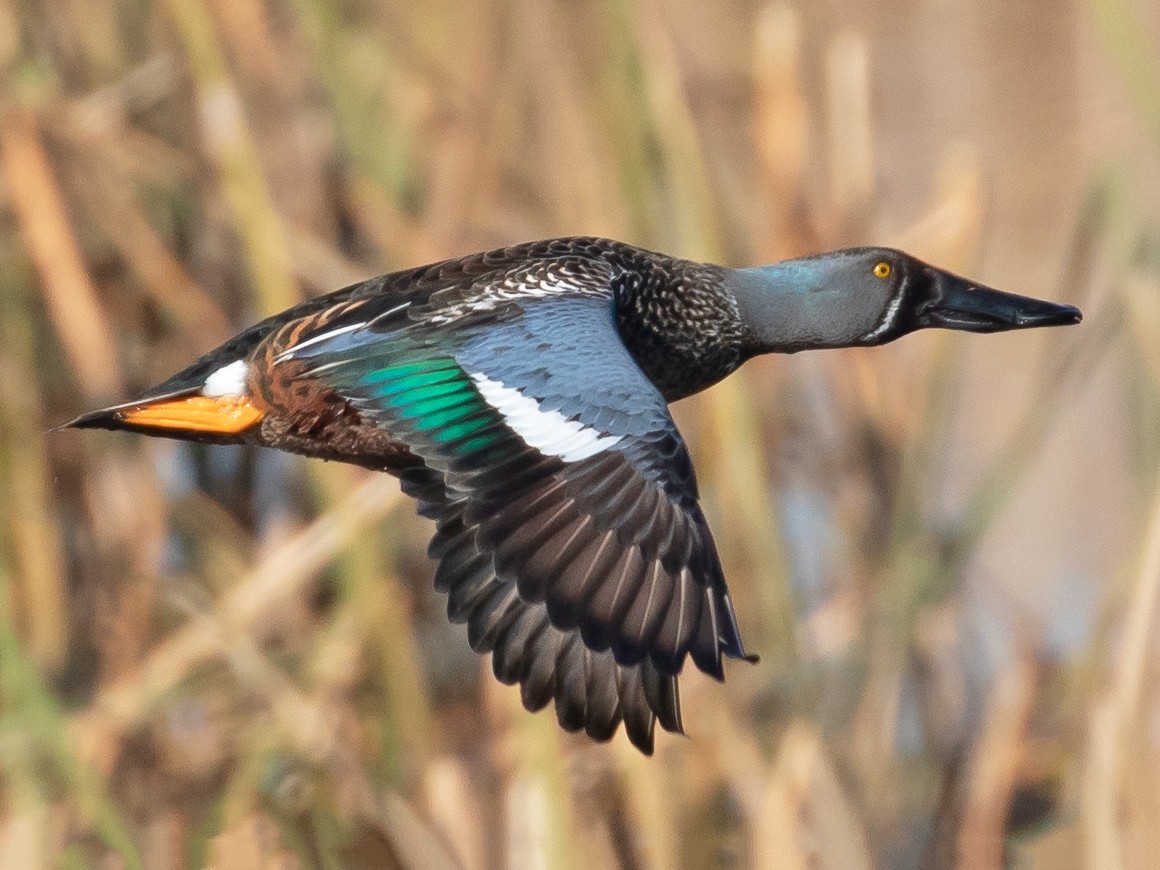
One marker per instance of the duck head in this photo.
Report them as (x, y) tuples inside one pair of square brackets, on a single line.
[(869, 296)]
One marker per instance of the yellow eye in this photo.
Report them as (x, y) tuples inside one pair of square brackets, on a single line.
[(882, 270)]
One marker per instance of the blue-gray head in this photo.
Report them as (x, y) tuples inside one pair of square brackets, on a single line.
[(869, 296)]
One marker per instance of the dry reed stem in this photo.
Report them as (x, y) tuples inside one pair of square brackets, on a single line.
[(995, 763), (655, 821), (539, 804), (24, 836), (1141, 298), (1125, 30), (248, 844), (416, 847), (1115, 713), (805, 819), (245, 30), (39, 583), (106, 110), (270, 72), (10, 33), (111, 205), (741, 468), (696, 228), (282, 574), (124, 151), (782, 133), (129, 513), (781, 114), (850, 132), (382, 611), (70, 297), (779, 840), (572, 150), (453, 803), (227, 141), (460, 165), (949, 232), (319, 264), (389, 229)]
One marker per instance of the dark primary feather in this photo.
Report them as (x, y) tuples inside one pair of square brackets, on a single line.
[(527, 649)]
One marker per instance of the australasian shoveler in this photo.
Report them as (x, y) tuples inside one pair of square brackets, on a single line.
[(521, 396)]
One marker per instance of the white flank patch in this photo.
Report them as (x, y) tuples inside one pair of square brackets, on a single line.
[(229, 380), (550, 432)]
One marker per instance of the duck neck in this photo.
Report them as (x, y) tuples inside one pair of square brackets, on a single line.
[(785, 307), (678, 322)]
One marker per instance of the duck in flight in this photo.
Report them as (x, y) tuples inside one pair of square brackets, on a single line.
[(521, 397)]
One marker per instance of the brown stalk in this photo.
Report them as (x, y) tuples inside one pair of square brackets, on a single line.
[(70, 297), (1115, 712), (112, 206), (227, 141), (782, 131), (39, 579), (280, 575), (994, 769), (850, 139)]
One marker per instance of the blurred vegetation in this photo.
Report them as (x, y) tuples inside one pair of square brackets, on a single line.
[(947, 550)]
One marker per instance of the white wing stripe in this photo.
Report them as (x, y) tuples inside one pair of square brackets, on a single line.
[(550, 432)]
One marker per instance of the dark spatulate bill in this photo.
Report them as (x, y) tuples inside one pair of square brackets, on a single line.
[(956, 303)]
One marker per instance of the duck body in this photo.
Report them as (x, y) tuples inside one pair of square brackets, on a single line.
[(521, 396)]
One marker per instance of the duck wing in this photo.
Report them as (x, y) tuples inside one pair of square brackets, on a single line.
[(568, 492), (591, 691)]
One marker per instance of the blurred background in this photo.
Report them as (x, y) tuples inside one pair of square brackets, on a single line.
[(947, 550)]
